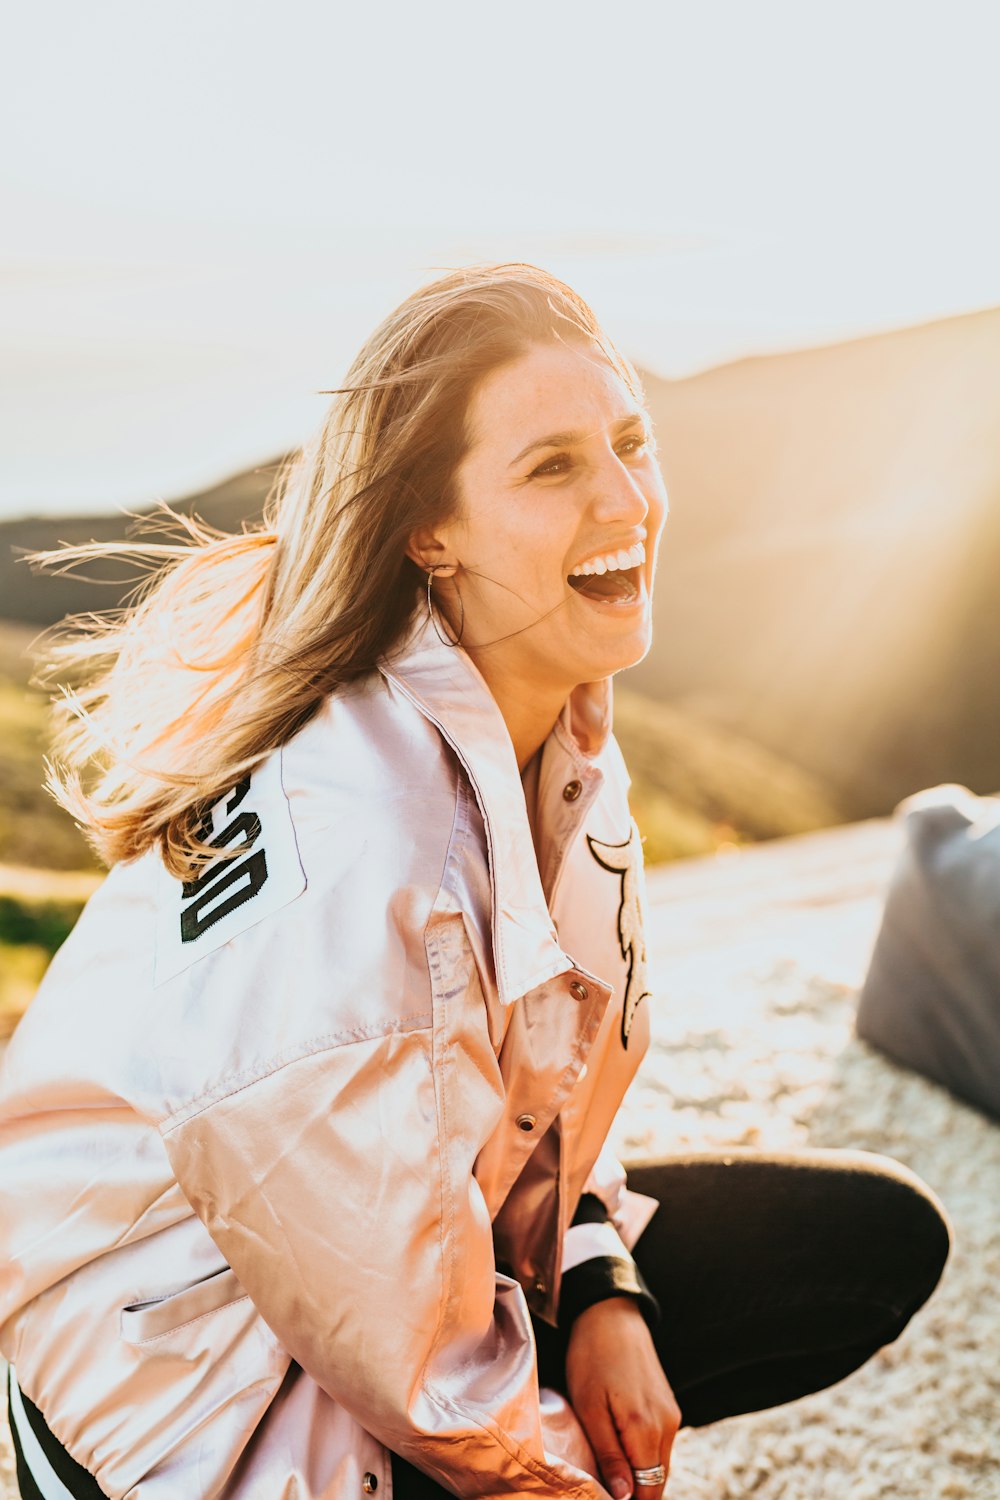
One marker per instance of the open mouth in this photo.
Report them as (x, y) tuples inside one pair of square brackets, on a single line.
[(616, 586), (612, 577)]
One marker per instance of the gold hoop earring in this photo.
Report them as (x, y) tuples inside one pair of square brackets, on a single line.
[(444, 639)]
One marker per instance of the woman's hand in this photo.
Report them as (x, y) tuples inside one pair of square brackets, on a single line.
[(618, 1390)]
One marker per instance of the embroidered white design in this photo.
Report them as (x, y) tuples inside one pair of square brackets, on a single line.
[(625, 860)]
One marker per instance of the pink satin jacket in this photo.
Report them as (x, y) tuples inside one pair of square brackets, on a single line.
[(266, 1136)]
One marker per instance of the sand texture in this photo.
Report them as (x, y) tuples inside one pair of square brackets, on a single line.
[(756, 959)]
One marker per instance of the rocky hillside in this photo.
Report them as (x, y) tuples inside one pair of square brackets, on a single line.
[(827, 585), (828, 575)]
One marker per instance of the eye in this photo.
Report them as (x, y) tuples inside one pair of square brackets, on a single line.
[(636, 442), (556, 465)]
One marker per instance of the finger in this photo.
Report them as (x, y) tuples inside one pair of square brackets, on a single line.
[(647, 1437), (643, 1439), (668, 1431), (644, 1488), (616, 1471), (646, 1491), (668, 1435), (649, 1488)]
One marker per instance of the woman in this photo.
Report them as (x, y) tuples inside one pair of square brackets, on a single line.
[(302, 1140)]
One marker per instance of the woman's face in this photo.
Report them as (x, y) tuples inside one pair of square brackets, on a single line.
[(560, 508)]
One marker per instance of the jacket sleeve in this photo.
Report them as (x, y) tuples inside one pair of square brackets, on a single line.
[(339, 1186), (596, 1260), (596, 1265)]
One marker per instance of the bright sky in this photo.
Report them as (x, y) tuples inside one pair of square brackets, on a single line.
[(208, 205)]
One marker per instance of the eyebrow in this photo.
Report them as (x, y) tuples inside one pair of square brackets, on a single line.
[(567, 439)]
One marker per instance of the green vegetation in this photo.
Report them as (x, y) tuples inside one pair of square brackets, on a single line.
[(43, 924), (697, 788), (33, 829), (38, 909), (21, 970), (38, 842)]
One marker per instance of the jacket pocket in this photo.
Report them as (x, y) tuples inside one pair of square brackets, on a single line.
[(142, 1321)]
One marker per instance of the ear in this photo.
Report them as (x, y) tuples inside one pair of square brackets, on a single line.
[(431, 554)]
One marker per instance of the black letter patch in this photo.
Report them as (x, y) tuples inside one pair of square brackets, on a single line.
[(229, 895)]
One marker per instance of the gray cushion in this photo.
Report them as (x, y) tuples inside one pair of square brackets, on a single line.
[(931, 998)]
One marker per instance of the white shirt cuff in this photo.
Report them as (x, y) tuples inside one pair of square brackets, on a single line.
[(588, 1241)]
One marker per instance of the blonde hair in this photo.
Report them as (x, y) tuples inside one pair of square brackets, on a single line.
[(235, 640)]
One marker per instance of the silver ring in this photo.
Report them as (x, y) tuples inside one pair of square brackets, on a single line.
[(656, 1475)]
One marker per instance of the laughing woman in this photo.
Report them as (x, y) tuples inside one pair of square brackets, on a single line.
[(302, 1143)]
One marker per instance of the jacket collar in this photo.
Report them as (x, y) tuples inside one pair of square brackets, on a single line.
[(445, 685)]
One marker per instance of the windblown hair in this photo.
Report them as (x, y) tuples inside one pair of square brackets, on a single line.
[(235, 640)]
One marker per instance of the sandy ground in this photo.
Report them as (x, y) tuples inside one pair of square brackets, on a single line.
[(756, 961), (757, 958)]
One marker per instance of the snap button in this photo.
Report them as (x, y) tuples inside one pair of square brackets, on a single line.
[(370, 1483), (526, 1122), (572, 790), (578, 991)]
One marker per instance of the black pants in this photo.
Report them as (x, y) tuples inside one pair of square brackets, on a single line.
[(775, 1275)]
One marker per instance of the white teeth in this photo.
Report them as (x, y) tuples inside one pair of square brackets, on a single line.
[(634, 557)]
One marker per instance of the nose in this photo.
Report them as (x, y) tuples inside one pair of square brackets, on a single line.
[(618, 496)]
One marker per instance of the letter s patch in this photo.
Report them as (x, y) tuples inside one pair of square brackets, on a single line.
[(195, 917)]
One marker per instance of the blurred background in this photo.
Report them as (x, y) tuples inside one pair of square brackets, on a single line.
[(786, 214)]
